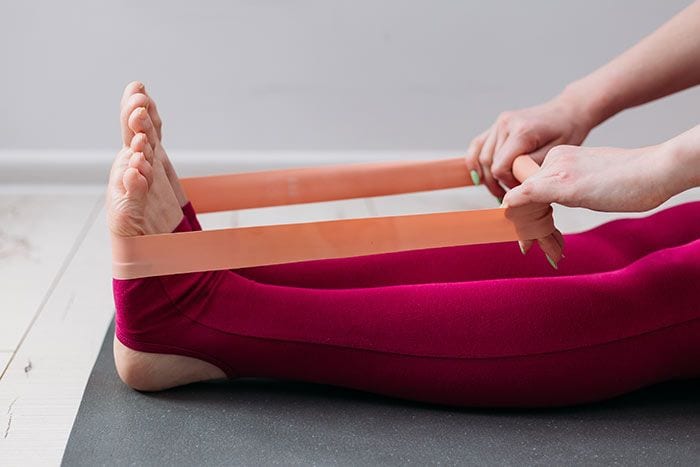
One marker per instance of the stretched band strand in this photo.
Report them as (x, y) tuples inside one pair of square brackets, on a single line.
[(152, 255)]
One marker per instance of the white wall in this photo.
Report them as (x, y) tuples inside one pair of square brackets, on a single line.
[(324, 75)]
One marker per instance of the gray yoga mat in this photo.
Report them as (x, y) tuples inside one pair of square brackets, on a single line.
[(260, 422)]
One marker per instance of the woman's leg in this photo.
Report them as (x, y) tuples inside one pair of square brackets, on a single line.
[(514, 342), (610, 246)]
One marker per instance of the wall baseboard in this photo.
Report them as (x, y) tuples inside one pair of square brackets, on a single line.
[(25, 166)]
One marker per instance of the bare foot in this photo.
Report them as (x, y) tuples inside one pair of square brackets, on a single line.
[(139, 114), (140, 201)]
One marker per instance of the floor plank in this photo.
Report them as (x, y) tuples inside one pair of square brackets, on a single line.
[(44, 382), (311, 212), (4, 360), (453, 199), (218, 220), (36, 233)]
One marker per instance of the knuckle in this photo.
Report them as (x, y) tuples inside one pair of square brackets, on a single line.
[(505, 117), (558, 152), (500, 172), (523, 128), (527, 188), (470, 160), (474, 145)]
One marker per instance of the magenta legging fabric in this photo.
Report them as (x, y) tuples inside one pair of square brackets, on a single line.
[(471, 326)]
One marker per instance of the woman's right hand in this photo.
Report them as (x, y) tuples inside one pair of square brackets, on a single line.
[(532, 131)]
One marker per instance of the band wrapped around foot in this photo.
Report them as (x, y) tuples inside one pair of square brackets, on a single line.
[(152, 255)]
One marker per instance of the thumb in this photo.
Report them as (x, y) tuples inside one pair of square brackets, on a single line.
[(516, 197), (537, 189)]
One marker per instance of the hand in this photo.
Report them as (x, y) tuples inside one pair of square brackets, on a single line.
[(534, 220), (602, 179), (532, 131)]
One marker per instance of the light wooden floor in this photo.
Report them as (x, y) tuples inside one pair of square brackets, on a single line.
[(56, 303)]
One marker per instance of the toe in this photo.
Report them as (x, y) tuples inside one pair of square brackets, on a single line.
[(155, 116), (135, 184), (130, 89), (139, 143), (116, 173), (134, 102), (144, 99), (140, 122), (138, 161)]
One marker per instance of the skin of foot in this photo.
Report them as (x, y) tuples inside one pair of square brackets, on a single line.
[(139, 115), (141, 201)]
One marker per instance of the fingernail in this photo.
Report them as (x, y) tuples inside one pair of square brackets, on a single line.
[(475, 177), (551, 262), (522, 249)]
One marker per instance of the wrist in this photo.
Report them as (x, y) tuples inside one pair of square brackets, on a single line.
[(681, 161), (593, 103)]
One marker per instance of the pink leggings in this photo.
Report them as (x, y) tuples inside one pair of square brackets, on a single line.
[(474, 326)]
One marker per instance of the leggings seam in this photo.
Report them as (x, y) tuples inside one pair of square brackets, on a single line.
[(445, 357), (180, 312)]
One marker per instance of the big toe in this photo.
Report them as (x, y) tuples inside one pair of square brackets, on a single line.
[(128, 194)]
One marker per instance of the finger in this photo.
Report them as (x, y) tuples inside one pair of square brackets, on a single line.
[(485, 160), (560, 240), (540, 154), (552, 249), (541, 188), (501, 137), (525, 245), (502, 167), (472, 158)]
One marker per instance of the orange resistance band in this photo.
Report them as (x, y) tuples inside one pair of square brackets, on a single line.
[(174, 253)]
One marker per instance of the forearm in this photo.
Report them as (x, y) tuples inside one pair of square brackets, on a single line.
[(682, 161), (664, 62)]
